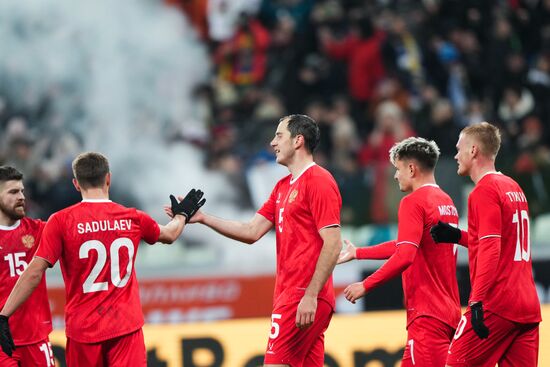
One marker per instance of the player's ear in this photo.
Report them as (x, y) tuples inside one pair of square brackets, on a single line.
[(299, 141), (412, 169), (108, 179), (474, 150), (76, 185)]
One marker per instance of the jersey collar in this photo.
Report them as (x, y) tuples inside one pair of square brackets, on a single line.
[(489, 173), (294, 179), (429, 184), (96, 201), (10, 228)]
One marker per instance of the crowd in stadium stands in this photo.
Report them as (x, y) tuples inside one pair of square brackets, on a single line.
[(371, 73)]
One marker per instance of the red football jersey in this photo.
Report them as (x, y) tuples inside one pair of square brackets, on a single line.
[(299, 208), (32, 322), (497, 207), (429, 283), (96, 242)]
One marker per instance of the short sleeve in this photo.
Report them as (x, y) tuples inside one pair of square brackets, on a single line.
[(325, 202), (485, 203), (410, 226), (51, 241), (150, 230), (268, 209)]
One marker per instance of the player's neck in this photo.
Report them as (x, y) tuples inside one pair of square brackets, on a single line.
[(299, 165), (481, 169), (95, 194), (428, 179), (6, 221)]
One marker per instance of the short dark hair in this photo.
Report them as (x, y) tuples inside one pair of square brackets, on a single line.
[(90, 169), (9, 173), (305, 126), (425, 152)]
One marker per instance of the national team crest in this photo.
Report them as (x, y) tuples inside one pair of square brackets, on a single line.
[(292, 196), (28, 241)]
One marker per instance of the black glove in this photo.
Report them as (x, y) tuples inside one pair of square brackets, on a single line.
[(446, 233), (189, 205), (5, 336), (477, 320)]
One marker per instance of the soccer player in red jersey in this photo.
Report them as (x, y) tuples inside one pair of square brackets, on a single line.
[(19, 238), (304, 207), (96, 242), (428, 270), (501, 324)]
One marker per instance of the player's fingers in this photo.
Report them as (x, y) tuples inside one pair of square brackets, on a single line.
[(311, 318)]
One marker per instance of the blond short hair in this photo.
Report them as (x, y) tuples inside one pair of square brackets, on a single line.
[(488, 137)]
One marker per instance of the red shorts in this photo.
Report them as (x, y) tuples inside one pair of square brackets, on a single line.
[(31, 355), (428, 341), (510, 344), (123, 351), (296, 347)]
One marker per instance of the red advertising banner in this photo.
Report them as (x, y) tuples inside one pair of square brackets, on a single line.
[(200, 299)]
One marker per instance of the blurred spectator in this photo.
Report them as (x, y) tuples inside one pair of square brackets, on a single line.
[(390, 127), (242, 58), (516, 104), (361, 50), (403, 54), (223, 16)]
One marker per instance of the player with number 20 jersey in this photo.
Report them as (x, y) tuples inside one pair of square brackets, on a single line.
[(99, 242)]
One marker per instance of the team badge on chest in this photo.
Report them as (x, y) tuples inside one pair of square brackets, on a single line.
[(292, 196), (28, 241)]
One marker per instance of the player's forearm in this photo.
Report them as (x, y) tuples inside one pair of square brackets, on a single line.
[(26, 284), (325, 263), (401, 260), (488, 256), (171, 231), (379, 252), (239, 231)]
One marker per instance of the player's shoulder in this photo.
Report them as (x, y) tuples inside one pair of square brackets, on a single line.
[(65, 211), (32, 223), (494, 183), (318, 175)]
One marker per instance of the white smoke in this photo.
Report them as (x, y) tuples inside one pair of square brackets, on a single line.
[(119, 74)]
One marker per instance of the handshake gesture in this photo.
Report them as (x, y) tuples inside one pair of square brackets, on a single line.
[(189, 205)]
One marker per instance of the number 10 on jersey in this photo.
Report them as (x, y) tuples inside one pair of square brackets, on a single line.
[(523, 243)]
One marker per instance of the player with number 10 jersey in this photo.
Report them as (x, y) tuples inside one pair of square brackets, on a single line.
[(97, 250), (498, 207)]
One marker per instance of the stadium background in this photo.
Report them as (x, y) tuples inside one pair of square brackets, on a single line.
[(186, 93)]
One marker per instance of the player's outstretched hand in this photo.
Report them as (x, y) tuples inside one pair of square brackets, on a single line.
[(190, 204), (445, 233), (305, 314), (478, 323), (349, 252), (6, 339), (354, 291)]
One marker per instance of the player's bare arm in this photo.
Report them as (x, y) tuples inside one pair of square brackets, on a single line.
[(247, 232), (332, 243), (25, 285), (171, 231)]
